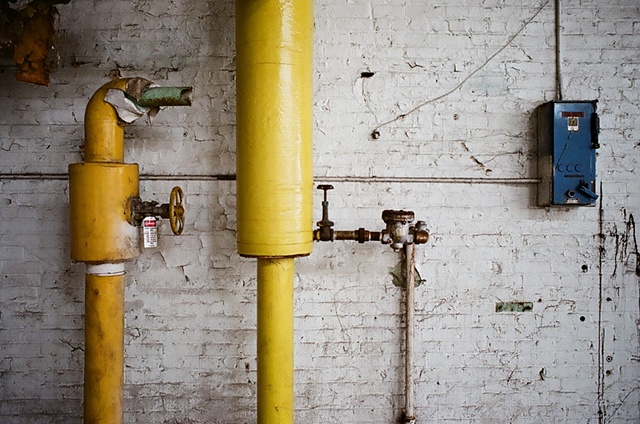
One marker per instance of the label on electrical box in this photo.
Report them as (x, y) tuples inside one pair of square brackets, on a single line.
[(573, 123), (150, 232)]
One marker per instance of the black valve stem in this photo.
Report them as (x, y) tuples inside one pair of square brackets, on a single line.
[(325, 225)]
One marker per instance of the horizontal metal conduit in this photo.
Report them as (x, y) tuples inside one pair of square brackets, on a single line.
[(337, 179)]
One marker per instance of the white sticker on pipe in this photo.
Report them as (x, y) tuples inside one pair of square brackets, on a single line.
[(150, 232)]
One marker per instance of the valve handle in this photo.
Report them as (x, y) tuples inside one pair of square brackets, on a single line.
[(325, 226), (325, 188), (176, 210)]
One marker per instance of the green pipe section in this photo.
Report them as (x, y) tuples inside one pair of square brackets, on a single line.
[(165, 96)]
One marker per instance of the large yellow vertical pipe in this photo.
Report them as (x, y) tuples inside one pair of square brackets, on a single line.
[(275, 340), (104, 349), (274, 124), (274, 164)]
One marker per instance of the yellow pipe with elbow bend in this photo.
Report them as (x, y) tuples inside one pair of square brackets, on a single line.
[(103, 130), (274, 161), (99, 192), (104, 235)]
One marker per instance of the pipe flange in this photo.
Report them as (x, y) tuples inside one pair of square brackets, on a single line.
[(403, 217)]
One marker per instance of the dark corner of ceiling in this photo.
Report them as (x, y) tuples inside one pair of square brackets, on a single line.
[(27, 37)]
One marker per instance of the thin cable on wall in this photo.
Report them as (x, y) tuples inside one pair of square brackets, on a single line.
[(376, 131)]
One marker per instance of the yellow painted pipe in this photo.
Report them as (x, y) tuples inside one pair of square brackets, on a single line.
[(104, 349), (99, 210), (274, 123), (274, 165), (103, 131), (275, 341), (103, 236)]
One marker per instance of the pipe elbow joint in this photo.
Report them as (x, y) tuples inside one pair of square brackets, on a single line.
[(421, 237), (120, 102), (103, 125), (420, 233)]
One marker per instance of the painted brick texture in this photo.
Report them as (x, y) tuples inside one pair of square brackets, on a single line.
[(436, 92)]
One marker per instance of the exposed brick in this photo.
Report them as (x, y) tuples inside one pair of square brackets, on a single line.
[(441, 112)]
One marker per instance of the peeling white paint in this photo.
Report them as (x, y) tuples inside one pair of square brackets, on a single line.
[(190, 340)]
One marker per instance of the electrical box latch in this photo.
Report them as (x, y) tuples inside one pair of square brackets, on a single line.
[(567, 142)]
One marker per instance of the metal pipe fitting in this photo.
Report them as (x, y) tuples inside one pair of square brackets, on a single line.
[(397, 232), (420, 232), (173, 211), (360, 235)]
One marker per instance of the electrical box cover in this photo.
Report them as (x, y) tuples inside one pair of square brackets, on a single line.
[(567, 143)]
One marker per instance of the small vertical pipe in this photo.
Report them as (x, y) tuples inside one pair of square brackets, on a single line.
[(104, 349), (275, 340), (558, 51), (409, 253)]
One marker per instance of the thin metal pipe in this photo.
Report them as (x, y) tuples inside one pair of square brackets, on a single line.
[(165, 96), (192, 177), (434, 180), (344, 179), (409, 253), (34, 176), (558, 34), (356, 235), (147, 177)]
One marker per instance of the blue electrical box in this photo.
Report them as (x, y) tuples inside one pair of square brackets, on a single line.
[(567, 143)]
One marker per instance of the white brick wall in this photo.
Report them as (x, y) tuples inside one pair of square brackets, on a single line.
[(190, 337)]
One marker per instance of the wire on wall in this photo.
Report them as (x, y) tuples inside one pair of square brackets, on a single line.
[(376, 131)]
